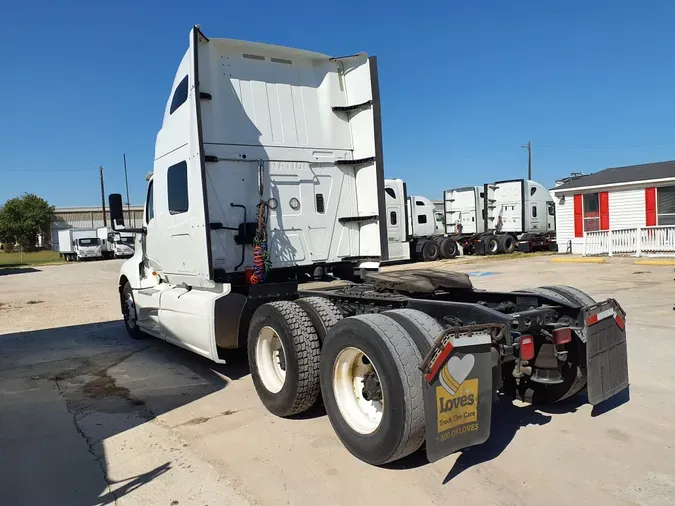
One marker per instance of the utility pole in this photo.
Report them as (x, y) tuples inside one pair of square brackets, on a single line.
[(126, 180), (528, 146), (100, 173)]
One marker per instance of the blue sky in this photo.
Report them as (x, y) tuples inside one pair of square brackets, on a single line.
[(464, 84)]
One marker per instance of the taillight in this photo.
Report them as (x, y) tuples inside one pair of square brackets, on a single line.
[(526, 347), (562, 335)]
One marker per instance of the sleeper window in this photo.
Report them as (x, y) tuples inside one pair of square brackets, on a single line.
[(180, 95), (177, 188)]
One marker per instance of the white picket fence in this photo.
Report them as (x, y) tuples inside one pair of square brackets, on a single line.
[(638, 241)]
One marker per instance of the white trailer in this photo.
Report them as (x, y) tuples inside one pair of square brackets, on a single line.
[(116, 244), (269, 170), (77, 244)]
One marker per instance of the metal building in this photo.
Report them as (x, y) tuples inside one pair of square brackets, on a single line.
[(87, 217)]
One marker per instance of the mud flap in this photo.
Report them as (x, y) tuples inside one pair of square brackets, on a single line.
[(606, 351), (458, 390)]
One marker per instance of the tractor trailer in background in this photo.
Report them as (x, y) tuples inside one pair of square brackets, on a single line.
[(273, 172), (76, 244), (415, 229), (116, 244), (501, 217), (517, 214)]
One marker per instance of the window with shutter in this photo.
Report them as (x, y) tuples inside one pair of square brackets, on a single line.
[(591, 212), (665, 205)]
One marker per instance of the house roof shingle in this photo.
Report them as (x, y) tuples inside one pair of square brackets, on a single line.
[(629, 174)]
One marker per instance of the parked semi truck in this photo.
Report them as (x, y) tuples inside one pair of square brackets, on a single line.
[(273, 170), (115, 244), (501, 216), (76, 244), (415, 229)]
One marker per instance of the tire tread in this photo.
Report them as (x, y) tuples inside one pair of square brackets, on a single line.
[(325, 310), (406, 358), (307, 351)]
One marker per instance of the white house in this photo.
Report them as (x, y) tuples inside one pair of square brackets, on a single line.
[(618, 210)]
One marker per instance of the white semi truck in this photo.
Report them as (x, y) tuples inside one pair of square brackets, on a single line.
[(501, 216), (269, 168), (76, 244), (415, 229), (116, 244)]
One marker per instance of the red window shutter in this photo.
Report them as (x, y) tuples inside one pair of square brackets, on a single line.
[(604, 210), (650, 207), (578, 217)]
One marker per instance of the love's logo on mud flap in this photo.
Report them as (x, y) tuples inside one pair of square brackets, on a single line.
[(457, 397)]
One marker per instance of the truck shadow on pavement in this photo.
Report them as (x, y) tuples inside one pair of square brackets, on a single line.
[(507, 419), (65, 391), (10, 270)]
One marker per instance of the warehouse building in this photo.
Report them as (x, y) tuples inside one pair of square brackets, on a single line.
[(88, 217), (626, 210)]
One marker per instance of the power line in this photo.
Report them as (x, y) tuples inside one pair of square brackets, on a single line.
[(625, 146)]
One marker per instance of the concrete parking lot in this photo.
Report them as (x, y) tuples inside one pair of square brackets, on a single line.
[(89, 416)]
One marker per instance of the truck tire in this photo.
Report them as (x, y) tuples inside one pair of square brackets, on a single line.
[(491, 245), (422, 328), (322, 313), (574, 371), (372, 388), (429, 251), (573, 294), (283, 355), (507, 244), (129, 312), (448, 248)]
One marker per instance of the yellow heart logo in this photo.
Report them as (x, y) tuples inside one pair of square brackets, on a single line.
[(455, 372)]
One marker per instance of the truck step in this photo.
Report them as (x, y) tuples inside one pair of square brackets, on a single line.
[(360, 161), (205, 96), (351, 219), (210, 158), (352, 108)]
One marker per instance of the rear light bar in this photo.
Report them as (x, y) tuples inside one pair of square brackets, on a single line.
[(562, 335), (526, 347), (593, 319)]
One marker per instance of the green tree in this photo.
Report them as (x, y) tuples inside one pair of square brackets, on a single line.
[(23, 218)]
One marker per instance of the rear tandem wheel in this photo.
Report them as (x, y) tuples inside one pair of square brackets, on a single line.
[(574, 370), (283, 355), (372, 388)]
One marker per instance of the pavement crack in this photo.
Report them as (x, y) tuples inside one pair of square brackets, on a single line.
[(90, 446)]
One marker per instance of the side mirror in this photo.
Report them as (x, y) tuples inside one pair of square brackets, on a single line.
[(117, 215), (116, 212)]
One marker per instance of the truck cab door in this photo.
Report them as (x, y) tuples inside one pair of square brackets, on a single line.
[(148, 295), (396, 221), (151, 241), (535, 218), (550, 216)]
